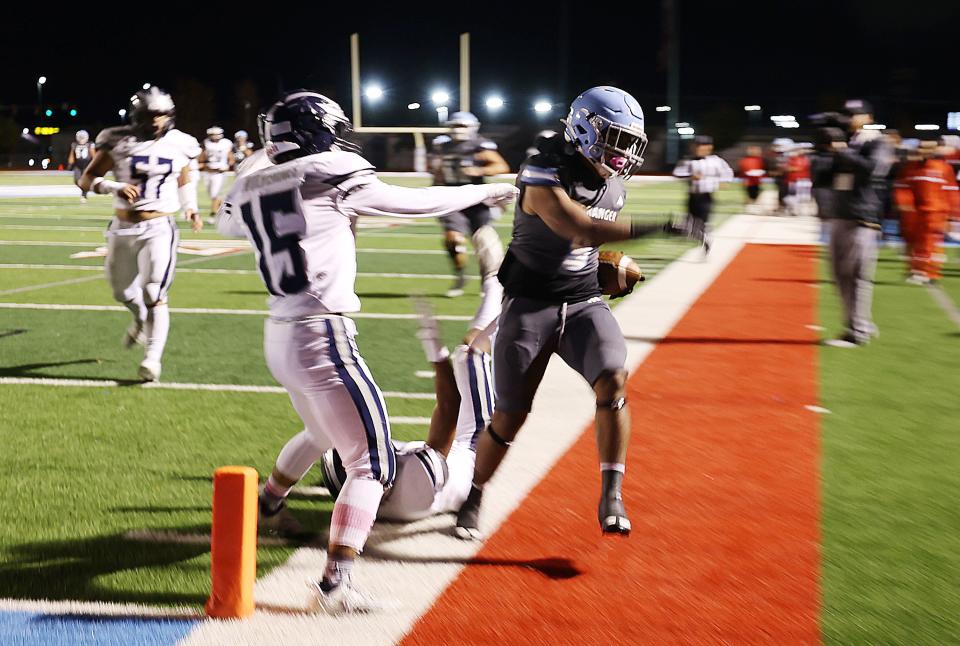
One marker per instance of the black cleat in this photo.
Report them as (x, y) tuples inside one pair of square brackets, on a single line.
[(468, 518), (612, 515)]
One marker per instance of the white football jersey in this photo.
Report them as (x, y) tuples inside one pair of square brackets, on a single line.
[(218, 153), (153, 166), (299, 215)]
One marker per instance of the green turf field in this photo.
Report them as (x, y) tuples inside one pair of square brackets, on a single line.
[(891, 523), (82, 468)]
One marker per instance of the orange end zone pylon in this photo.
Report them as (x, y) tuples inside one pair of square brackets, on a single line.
[(233, 545)]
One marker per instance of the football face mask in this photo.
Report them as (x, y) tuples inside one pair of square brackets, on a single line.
[(619, 149)]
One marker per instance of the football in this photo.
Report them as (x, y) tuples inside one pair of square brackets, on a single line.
[(617, 273)]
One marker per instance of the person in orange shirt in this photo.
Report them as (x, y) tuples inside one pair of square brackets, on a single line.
[(927, 196), (752, 171)]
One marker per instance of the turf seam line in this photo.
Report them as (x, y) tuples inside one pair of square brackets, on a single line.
[(945, 302)]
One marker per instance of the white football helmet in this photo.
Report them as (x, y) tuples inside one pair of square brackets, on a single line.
[(82, 137), (464, 125), (215, 133)]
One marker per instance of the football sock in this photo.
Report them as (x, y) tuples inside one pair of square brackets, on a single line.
[(158, 326), (272, 496), (613, 466), (336, 572), (355, 511)]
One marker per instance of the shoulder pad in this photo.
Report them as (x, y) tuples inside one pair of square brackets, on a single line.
[(440, 140), (110, 137), (187, 143), (336, 163)]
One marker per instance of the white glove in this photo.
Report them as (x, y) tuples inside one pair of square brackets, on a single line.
[(500, 194)]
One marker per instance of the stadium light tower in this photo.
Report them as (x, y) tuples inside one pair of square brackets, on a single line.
[(440, 97), (40, 83)]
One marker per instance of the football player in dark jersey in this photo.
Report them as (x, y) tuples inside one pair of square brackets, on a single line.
[(81, 152), (571, 193), (464, 157)]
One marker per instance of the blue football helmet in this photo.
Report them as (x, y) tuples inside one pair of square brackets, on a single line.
[(463, 125), (606, 125), (305, 123)]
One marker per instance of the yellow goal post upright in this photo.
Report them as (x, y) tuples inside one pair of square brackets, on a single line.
[(420, 148)]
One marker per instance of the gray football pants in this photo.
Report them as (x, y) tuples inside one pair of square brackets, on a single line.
[(853, 257)]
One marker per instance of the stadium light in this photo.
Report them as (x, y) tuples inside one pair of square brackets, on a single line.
[(542, 106), (413, 106), (49, 112), (663, 108), (686, 130), (374, 92), (782, 117), (752, 108), (681, 124), (439, 97), (73, 112), (31, 163), (25, 132), (45, 163), (146, 86), (926, 126), (494, 102), (41, 80), (122, 113), (875, 126)]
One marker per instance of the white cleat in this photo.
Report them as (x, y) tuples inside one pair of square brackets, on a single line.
[(83, 200), (917, 279), (149, 370), (134, 335), (341, 600)]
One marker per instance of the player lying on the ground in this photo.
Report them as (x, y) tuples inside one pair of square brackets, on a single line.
[(299, 215), (434, 477), (142, 237)]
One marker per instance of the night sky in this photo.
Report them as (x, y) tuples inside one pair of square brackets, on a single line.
[(796, 57)]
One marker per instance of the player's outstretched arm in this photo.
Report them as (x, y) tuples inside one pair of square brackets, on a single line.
[(570, 220), (374, 197), (92, 179)]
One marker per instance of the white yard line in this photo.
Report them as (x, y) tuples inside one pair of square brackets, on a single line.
[(172, 385), (228, 272), (414, 563), (226, 312), (62, 243), (97, 608)]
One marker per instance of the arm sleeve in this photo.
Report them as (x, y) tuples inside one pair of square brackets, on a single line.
[(682, 169), (373, 197)]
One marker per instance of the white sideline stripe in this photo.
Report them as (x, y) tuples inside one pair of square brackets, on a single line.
[(820, 410), (206, 310), (390, 569), (945, 303), (165, 385), (237, 272), (62, 243), (105, 609)]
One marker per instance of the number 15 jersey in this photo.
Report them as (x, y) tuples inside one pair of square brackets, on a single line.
[(153, 166), (300, 215)]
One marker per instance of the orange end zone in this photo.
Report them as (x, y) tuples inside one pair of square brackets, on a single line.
[(722, 490)]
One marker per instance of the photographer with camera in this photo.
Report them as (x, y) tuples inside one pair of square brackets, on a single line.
[(850, 173)]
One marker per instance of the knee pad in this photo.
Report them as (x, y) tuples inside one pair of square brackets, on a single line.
[(334, 475), (489, 250), (456, 245)]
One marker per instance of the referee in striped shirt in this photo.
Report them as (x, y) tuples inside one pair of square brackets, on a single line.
[(705, 172)]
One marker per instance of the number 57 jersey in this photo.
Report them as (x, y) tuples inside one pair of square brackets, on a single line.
[(153, 166)]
